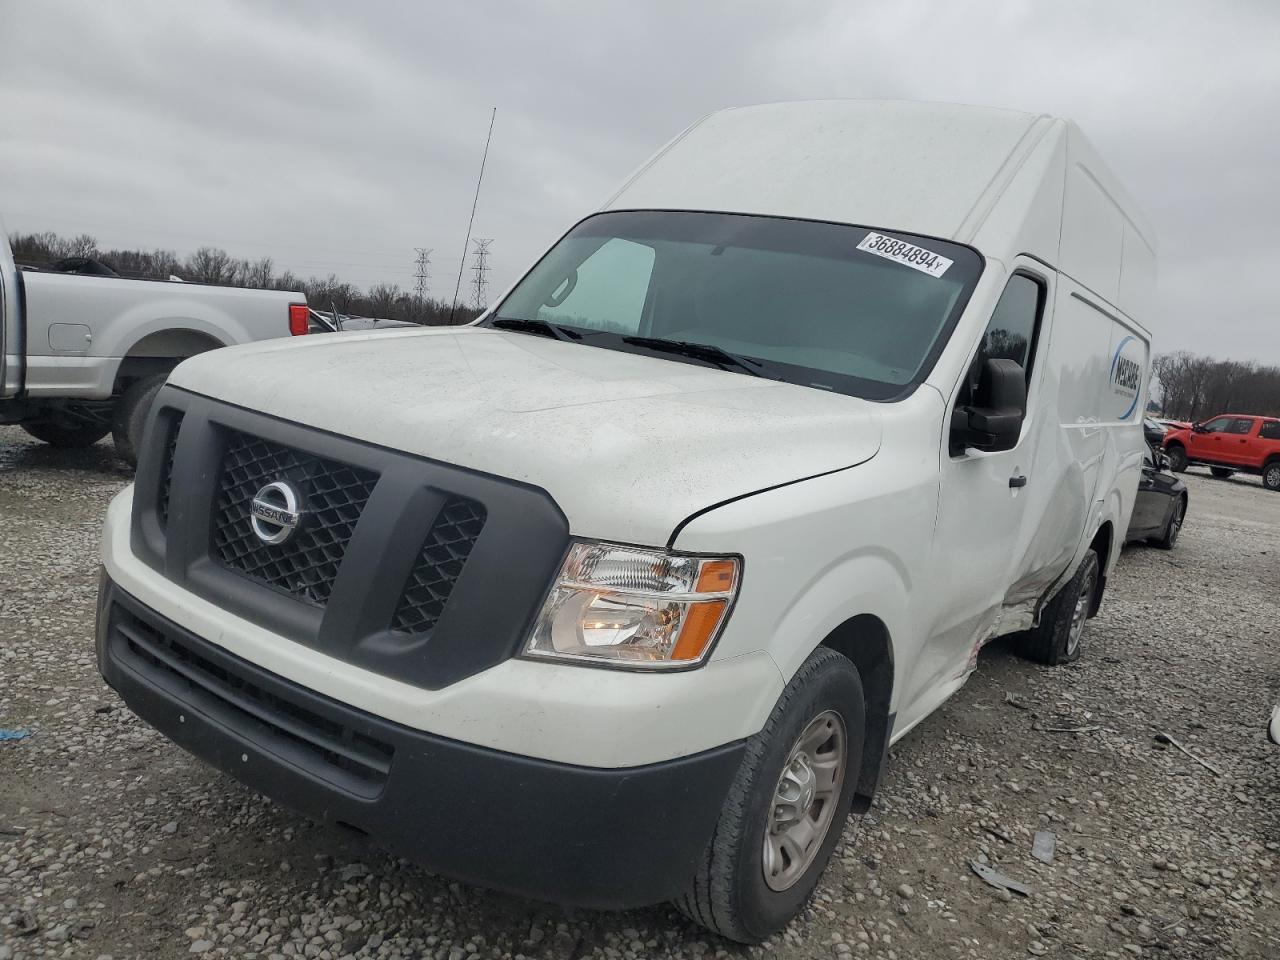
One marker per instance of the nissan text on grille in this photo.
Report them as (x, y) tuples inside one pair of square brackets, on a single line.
[(622, 593)]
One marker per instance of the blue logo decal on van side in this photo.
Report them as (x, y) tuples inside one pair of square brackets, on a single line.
[(1126, 377)]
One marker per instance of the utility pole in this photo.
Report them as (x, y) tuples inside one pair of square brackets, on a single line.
[(480, 269), (421, 273)]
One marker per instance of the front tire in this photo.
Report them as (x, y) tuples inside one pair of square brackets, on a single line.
[(793, 793), (131, 416), (66, 433), (1059, 637), (1177, 457), (1222, 473)]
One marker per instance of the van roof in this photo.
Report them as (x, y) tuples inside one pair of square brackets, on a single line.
[(917, 167), (1003, 181)]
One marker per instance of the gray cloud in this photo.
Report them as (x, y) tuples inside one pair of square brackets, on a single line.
[(337, 137)]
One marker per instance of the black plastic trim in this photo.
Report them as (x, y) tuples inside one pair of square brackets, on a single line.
[(586, 836), (493, 601)]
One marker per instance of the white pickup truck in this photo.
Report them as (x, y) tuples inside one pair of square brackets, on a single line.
[(92, 351)]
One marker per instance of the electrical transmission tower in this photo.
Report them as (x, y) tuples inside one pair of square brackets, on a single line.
[(480, 269), (421, 273)]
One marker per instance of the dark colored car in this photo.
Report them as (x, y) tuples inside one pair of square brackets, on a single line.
[(1153, 431), (1161, 504)]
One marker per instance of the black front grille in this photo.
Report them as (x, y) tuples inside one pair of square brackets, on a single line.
[(338, 752), (444, 553), (166, 468), (401, 564), (334, 495)]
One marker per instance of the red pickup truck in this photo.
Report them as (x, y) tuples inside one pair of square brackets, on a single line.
[(1228, 444)]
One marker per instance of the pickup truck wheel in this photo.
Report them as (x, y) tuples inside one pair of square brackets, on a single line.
[(131, 416), (787, 807), (1221, 472), (66, 434), (1177, 457), (1059, 637), (1271, 475)]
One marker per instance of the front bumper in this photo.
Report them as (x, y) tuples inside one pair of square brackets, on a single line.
[(605, 838), (560, 712)]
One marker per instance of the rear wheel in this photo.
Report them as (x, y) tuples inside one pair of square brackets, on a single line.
[(1177, 457), (66, 432), (1271, 475), (1221, 472), (131, 416), (787, 807), (1169, 538), (1059, 637)]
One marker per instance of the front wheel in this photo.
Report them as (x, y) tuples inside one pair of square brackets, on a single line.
[(1177, 457), (787, 807), (1271, 475), (1059, 636), (1221, 472)]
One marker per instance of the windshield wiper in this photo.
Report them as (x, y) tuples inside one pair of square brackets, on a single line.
[(699, 351), (540, 327)]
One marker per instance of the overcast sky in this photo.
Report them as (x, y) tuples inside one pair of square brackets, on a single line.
[(337, 137)]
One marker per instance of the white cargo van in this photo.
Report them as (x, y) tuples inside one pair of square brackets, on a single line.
[(622, 593)]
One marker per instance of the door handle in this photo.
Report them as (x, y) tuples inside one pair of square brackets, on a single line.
[(1017, 481)]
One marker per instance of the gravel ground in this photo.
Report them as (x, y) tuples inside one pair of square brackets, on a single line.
[(115, 843)]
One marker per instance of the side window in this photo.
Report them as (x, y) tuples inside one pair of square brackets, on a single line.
[(1012, 332), (1270, 430), (609, 288), (1242, 425), (1218, 425)]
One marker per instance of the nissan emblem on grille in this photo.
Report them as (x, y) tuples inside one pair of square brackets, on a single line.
[(275, 512)]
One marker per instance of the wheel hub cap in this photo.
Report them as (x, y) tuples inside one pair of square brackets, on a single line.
[(804, 800), (1081, 613)]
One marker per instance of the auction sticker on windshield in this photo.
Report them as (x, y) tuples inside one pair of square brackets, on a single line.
[(907, 254)]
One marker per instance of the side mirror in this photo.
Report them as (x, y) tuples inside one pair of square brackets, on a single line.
[(1162, 460), (1197, 427), (993, 419)]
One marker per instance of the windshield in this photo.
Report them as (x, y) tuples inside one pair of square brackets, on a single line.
[(858, 311)]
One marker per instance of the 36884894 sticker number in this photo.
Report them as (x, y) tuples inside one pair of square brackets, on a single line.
[(907, 254)]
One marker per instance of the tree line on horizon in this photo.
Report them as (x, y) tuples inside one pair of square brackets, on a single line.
[(214, 265), (1194, 387)]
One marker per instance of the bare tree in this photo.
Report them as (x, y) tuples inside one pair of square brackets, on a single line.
[(210, 265), (382, 299), (258, 273)]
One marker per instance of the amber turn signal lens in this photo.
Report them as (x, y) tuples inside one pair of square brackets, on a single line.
[(699, 627), (716, 576)]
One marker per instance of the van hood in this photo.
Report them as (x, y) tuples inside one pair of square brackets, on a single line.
[(627, 445)]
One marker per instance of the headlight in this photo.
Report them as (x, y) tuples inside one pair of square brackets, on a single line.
[(634, 607)]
